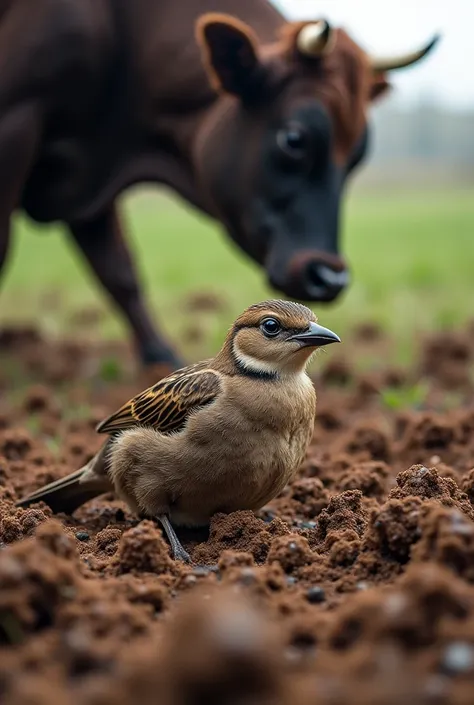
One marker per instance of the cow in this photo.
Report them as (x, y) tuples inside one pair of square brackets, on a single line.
[(252, 119)]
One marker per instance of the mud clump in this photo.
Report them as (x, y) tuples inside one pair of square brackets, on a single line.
[(15, 445), (371, 478), (420, 481), (37, 577), (241, 531), (395, 528), (447, 538), (367, 442), (355, 585), (143, 549), (448, 358), (239, 659)]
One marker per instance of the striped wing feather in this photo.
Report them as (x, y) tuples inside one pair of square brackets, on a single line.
[(166, 405)]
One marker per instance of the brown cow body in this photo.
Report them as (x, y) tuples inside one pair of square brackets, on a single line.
[(97, 95), (137, 94)]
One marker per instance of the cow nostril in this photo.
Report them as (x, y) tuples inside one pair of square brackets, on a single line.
[(321, 277)]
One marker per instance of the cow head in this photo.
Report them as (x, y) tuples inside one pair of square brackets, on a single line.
[(289, 126)]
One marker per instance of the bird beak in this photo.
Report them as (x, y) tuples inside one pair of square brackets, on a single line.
[(316, 336)]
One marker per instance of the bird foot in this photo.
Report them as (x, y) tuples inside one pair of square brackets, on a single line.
[(179, 554)]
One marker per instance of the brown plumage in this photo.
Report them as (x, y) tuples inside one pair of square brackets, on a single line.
[(218, 436)]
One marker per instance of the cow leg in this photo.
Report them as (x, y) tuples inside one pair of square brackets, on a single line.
[(4, 243), (19, 136), (102, 243)]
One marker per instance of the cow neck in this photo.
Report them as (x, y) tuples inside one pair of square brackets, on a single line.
[(162, 48)]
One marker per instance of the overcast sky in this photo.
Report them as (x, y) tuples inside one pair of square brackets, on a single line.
[(380, 26)]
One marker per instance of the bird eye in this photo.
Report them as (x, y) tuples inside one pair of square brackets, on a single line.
[(270, 327), (293, 140)]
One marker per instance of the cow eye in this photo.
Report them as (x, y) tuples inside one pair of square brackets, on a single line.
[(293, 140), (270, 327)]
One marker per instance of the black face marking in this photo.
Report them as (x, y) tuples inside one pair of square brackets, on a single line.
[(255, 374)]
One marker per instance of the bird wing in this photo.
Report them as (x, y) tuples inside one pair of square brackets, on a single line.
[(167, 404)]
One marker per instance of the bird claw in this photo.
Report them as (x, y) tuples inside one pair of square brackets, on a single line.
[(179, 554)]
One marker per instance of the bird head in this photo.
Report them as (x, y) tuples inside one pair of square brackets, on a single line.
[(275, 338)]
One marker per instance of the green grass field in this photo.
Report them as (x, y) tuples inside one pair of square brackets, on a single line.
[(411, 253)]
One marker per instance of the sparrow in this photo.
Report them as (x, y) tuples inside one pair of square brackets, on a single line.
[(221, 435)]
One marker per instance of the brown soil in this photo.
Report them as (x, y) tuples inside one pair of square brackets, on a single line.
[(355, 586)]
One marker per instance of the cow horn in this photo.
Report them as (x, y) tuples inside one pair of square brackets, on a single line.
[(315, 39), (380, 65)]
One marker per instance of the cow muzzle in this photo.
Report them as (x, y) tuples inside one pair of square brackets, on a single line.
[(323, 283), (313, 276)]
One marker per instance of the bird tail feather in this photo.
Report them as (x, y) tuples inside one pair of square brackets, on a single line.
[(70, 492)]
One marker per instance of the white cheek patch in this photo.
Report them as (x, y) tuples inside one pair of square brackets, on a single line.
[(253, 364)]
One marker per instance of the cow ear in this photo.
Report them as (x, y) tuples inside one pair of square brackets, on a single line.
[(230, 54), (379, 86)]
